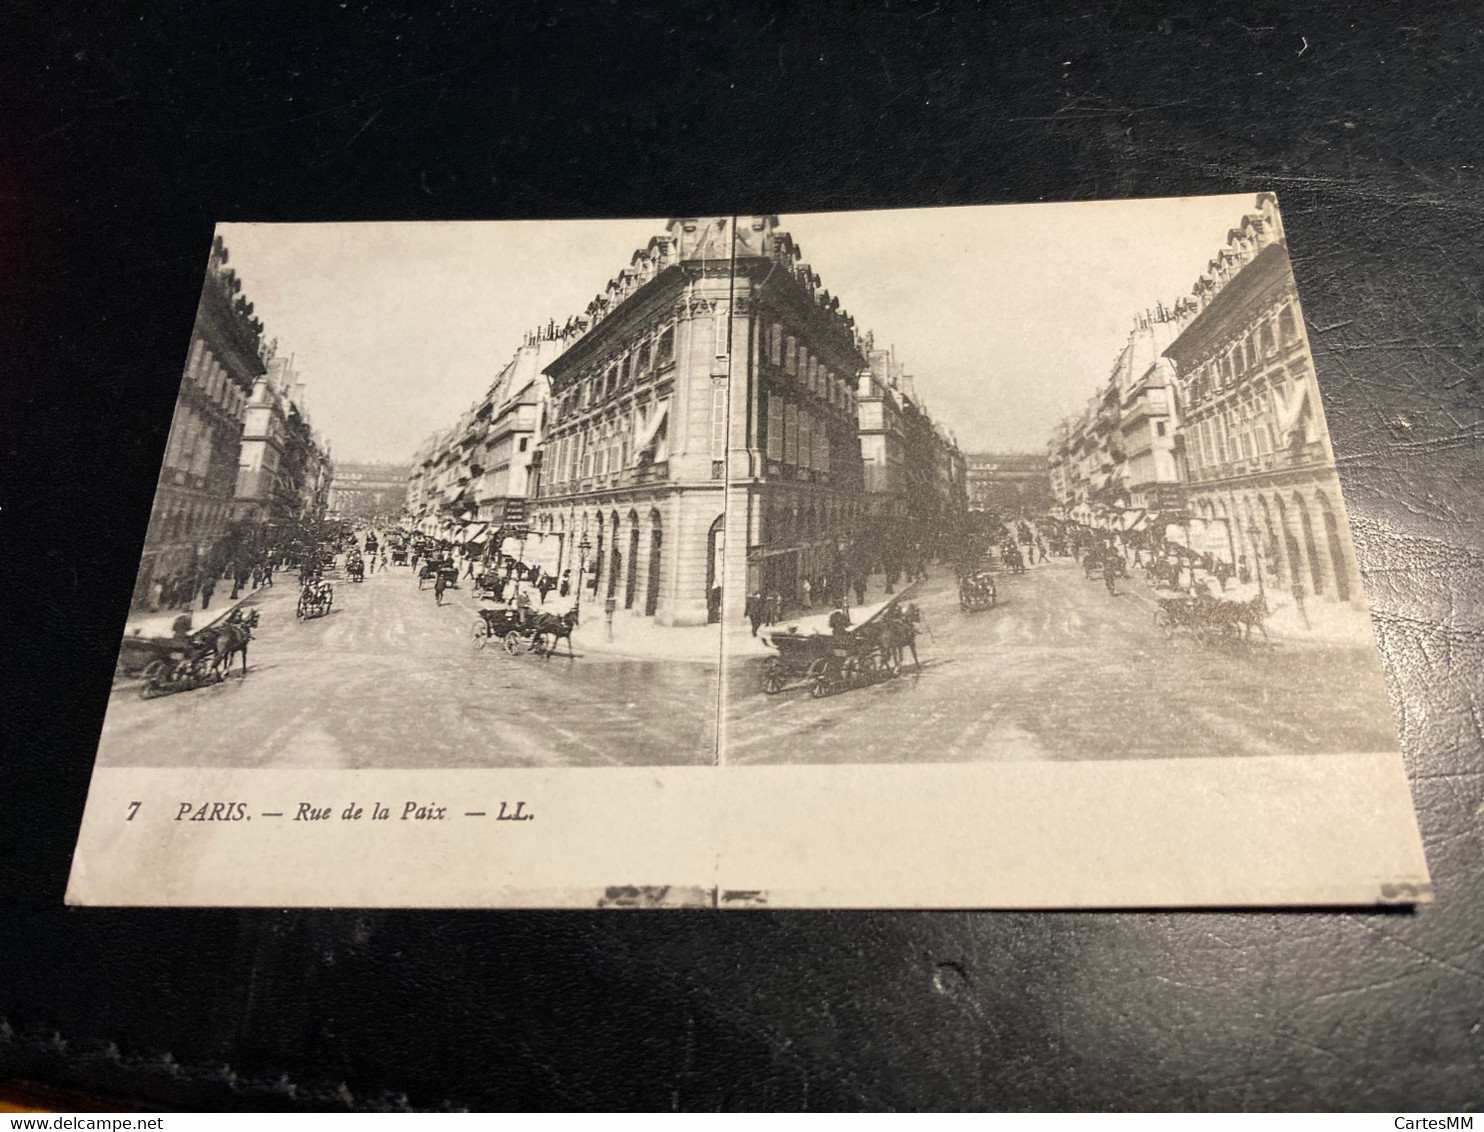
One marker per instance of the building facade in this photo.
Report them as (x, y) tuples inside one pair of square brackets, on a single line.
[(1257, 451), (706, 401), (366, 492), (284, 470), (194, 501), (1009, 484)]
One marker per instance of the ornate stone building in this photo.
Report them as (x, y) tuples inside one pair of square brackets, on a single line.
[(368, 491), (1257, 450), (1009, 484), (194, 500), (284, 470), (706, 400)]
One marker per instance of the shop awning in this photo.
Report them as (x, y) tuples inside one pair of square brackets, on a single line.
[(476, 533), (650, 430)]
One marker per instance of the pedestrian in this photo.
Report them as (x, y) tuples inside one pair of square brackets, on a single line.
[(1110, 573), (469, 569), (208, 587), (805, 591), (565, 589), (440, 583), (754, 610), (860, 589)]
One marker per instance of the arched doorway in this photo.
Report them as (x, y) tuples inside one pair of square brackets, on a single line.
[(1311, 549), (1290, 546), (652, 594), (713, 572), (1271, 551), (631, 580), (1336, 550)]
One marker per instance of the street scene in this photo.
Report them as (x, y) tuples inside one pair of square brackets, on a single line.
[(1059, 667), (425, 503), (387, 677)]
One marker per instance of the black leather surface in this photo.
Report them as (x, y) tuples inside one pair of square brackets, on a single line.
[(126, 133)]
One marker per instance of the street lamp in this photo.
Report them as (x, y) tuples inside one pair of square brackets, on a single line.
[(582, 548), (1252, 536)]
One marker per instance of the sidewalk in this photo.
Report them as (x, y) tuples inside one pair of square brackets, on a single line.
[(161, 624)]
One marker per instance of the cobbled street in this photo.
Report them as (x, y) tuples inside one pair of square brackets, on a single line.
[(1059, 669)]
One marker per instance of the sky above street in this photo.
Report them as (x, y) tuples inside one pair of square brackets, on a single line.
[(1008, 318)]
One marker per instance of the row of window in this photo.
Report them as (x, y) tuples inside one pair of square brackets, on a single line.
[(794, 435), (187, 520), (203, 369), (794, 358), (644, 356), (1244, 354), (190, 444), (611, 446)]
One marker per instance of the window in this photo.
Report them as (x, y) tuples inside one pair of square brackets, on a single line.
[(775, 427), (806, 453), (721, 331), (718, 422), (791, 356), (624, 372), (1159, 428), (525, 442), (790, 434), (1268, 345), (665, 347), (775, 344), (644, 358), (1286, 328)]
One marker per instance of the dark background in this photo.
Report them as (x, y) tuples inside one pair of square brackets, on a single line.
[(126, 131)]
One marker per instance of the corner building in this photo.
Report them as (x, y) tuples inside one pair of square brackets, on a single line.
[(705, 402), (1256, 445)]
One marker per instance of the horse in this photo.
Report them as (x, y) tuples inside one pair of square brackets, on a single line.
[(232, 637), (559, 628), (899, 632), (1247, 614)]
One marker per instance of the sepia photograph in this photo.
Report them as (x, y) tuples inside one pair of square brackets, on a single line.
[(722, 544), (1079, 500)]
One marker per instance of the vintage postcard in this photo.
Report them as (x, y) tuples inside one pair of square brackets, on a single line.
[(961, 557)]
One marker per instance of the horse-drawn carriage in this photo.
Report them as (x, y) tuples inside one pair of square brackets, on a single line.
[(355, 567), (1208, 617), (976, 591), (399, 556), (428, 572), (315, 599), (538, 633), (831, 658), (1099, 557), (187, 660)]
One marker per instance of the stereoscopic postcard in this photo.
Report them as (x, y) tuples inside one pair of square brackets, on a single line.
[(958, 557)]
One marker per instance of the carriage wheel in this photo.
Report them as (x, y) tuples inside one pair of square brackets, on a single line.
[(303, 609), (1164, 623), (479, 633), (819, 687), (512, 642), (543, 644), (155, 674), (773, 677)]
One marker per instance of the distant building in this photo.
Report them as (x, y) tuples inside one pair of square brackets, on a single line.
[(1009, 484), (188, 528), (368, 491)]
